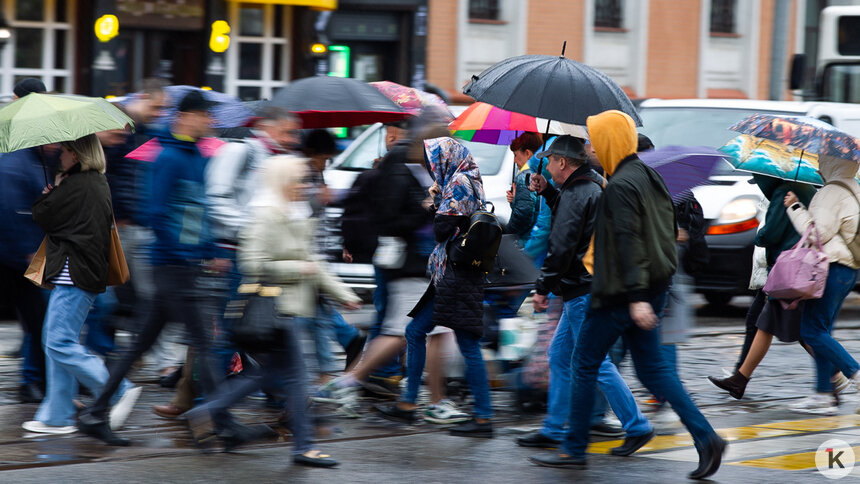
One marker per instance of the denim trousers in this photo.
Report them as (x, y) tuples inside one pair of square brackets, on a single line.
[(327, 326), (281, 371), (66, 360), (819, 316), (562, 349), (177, 298), (30, 303), (470, 348), (600, 330), (100, 334)]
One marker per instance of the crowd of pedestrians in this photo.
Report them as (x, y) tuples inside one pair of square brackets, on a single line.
[(204, 230)]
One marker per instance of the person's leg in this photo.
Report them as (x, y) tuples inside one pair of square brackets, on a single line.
[(476, 373), (758, 349), (31, 303), (416, 352), (100, 334), (291, 373), (436, 358), (321, 333), (559, 354), (183, 398), (752, 316), (819, 316)]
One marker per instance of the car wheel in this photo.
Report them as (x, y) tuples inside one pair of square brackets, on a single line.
[(717, 298)]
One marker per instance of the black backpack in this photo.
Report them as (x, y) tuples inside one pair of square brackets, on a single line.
[(690, 217), (479, 245)]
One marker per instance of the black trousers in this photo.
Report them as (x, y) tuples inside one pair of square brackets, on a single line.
[(30, 303), (177, 298)]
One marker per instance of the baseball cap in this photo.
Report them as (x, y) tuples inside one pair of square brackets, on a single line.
[(29, 85), (195, 101), (567, 146)]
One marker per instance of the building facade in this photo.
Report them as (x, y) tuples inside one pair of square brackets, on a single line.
[(652, 48)]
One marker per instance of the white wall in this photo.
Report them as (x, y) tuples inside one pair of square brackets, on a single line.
[(482, 45), (732, 62)]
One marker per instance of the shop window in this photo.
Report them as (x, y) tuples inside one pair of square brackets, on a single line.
[(484, 9), (723, 16), (257, 59), (609, 14), (42, 44), (30, 10)]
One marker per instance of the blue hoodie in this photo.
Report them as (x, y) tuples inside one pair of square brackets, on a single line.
[(21, 182), (538, 241), (176, 204)]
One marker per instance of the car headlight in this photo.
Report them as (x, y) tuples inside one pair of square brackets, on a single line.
[(738, 210)]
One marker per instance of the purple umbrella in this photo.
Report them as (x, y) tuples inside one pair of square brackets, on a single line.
[(683, 167)]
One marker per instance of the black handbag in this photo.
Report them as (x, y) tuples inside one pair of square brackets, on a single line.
[(478, 246), (254, 319)]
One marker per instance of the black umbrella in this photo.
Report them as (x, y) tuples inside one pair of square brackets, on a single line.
[(328, 101), (549, 87)]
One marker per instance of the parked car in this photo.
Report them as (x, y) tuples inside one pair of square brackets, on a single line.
[(495, 162), (730, 203)]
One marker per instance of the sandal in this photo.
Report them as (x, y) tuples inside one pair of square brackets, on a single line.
[(313, 458)]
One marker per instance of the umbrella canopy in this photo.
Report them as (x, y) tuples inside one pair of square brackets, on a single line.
[(683, 167), (549, 87), (230, 112), (150, 150), (39, 119), (768, 157), (409, 99), (328, 102), (486, 123), (805, 133)]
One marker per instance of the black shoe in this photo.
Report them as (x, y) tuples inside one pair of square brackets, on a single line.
[(391, 411), (735, 384), (31, 393), (632, 444), (238, 435), (170, 380), (473, 428), (322, 460), (537, 439), (354, 348), (559, 460), (381, 388), (99, 429), (709, 458), (606, 430)]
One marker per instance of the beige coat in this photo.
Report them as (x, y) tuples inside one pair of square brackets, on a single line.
[(833, 210), (276, 249)]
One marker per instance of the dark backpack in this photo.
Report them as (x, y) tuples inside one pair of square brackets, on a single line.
[(690, 217), (480, 244)]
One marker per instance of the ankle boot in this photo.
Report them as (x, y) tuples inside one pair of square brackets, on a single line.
[(735, 384)]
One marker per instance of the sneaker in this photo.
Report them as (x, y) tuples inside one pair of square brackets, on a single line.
[(840, 384), (41, 428), (818, 404), (382, 388), (331, 392), (119, 413), (391, 411), (473, 428), (445, 412)]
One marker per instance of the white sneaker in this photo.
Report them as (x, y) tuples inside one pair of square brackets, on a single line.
[(331, 393), (445, 412), (841, 384), (818, 404), (119, 413), (41, 428)]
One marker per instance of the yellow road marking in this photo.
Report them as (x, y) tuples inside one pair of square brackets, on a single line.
[(816, 424), (668, 442), (788, 462)]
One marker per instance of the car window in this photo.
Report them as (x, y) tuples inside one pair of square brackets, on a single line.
[(488, 157), (369, 149)]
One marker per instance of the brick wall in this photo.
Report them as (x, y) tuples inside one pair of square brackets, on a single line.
[(673, 49), (442, 44), (551, 22)]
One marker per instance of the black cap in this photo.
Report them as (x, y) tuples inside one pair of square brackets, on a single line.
[(28, 85), (567, 146), (195, 101)]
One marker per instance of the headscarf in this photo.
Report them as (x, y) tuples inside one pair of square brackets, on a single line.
[(462, 191), (613, 135), (280, 172)]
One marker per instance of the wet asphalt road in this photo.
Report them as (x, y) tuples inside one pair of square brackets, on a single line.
[(374, 450)]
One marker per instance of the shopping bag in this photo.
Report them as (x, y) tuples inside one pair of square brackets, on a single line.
[(117, 266), (36, 271)]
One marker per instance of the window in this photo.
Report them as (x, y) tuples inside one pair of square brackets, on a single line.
[(41, 44), (484, 9), (609, 14), (257, 59), (723, 16)]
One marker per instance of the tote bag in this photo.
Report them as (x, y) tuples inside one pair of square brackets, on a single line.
[(799, 273)]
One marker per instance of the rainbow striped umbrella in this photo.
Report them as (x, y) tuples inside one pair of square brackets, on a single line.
[(485, 123)]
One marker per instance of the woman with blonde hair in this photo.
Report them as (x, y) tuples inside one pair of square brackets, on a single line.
[(277, 249), (76, 215)]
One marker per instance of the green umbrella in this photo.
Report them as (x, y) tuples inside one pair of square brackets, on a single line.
[(39, 119)]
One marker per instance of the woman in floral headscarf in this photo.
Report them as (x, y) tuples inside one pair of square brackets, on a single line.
[(456, 292)]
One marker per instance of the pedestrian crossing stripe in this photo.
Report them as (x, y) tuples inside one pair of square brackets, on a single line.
[(672, 446)]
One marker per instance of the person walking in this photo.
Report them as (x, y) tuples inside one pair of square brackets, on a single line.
[(522, 200), (634, 259), (75, 214), (182, 249), (277, 247), (835, 215), (574, 206)]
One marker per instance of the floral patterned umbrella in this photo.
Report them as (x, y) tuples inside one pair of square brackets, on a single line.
[(802, 132), (411, 100)]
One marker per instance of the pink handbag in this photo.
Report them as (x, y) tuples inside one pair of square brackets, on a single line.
[(799, 273)]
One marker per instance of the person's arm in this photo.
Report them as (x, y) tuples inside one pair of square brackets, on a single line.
[(550, 193), (334, 287), (445, 226), (255, 260), (52, 210), (522, 209), (563, 241), (222, 171), (827, 223), (626, 207)]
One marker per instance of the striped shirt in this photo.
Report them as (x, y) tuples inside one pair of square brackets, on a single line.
[(63, 278)]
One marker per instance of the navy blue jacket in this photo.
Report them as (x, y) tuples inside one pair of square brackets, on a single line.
[(126, 176), (21, 182)]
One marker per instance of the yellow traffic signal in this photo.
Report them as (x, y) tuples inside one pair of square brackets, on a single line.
[(220, 39), (107, 27)]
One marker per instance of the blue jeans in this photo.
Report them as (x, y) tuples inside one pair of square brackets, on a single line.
[(819, 316), (380, 302), (470, 348), (99, 333), (562, 350), (328, 325), (66, 360), (600, 330)]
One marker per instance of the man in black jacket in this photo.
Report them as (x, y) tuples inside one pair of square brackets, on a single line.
[(634, 259), (573, 207)]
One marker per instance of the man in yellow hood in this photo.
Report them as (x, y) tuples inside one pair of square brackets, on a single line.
[(634, 259)]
